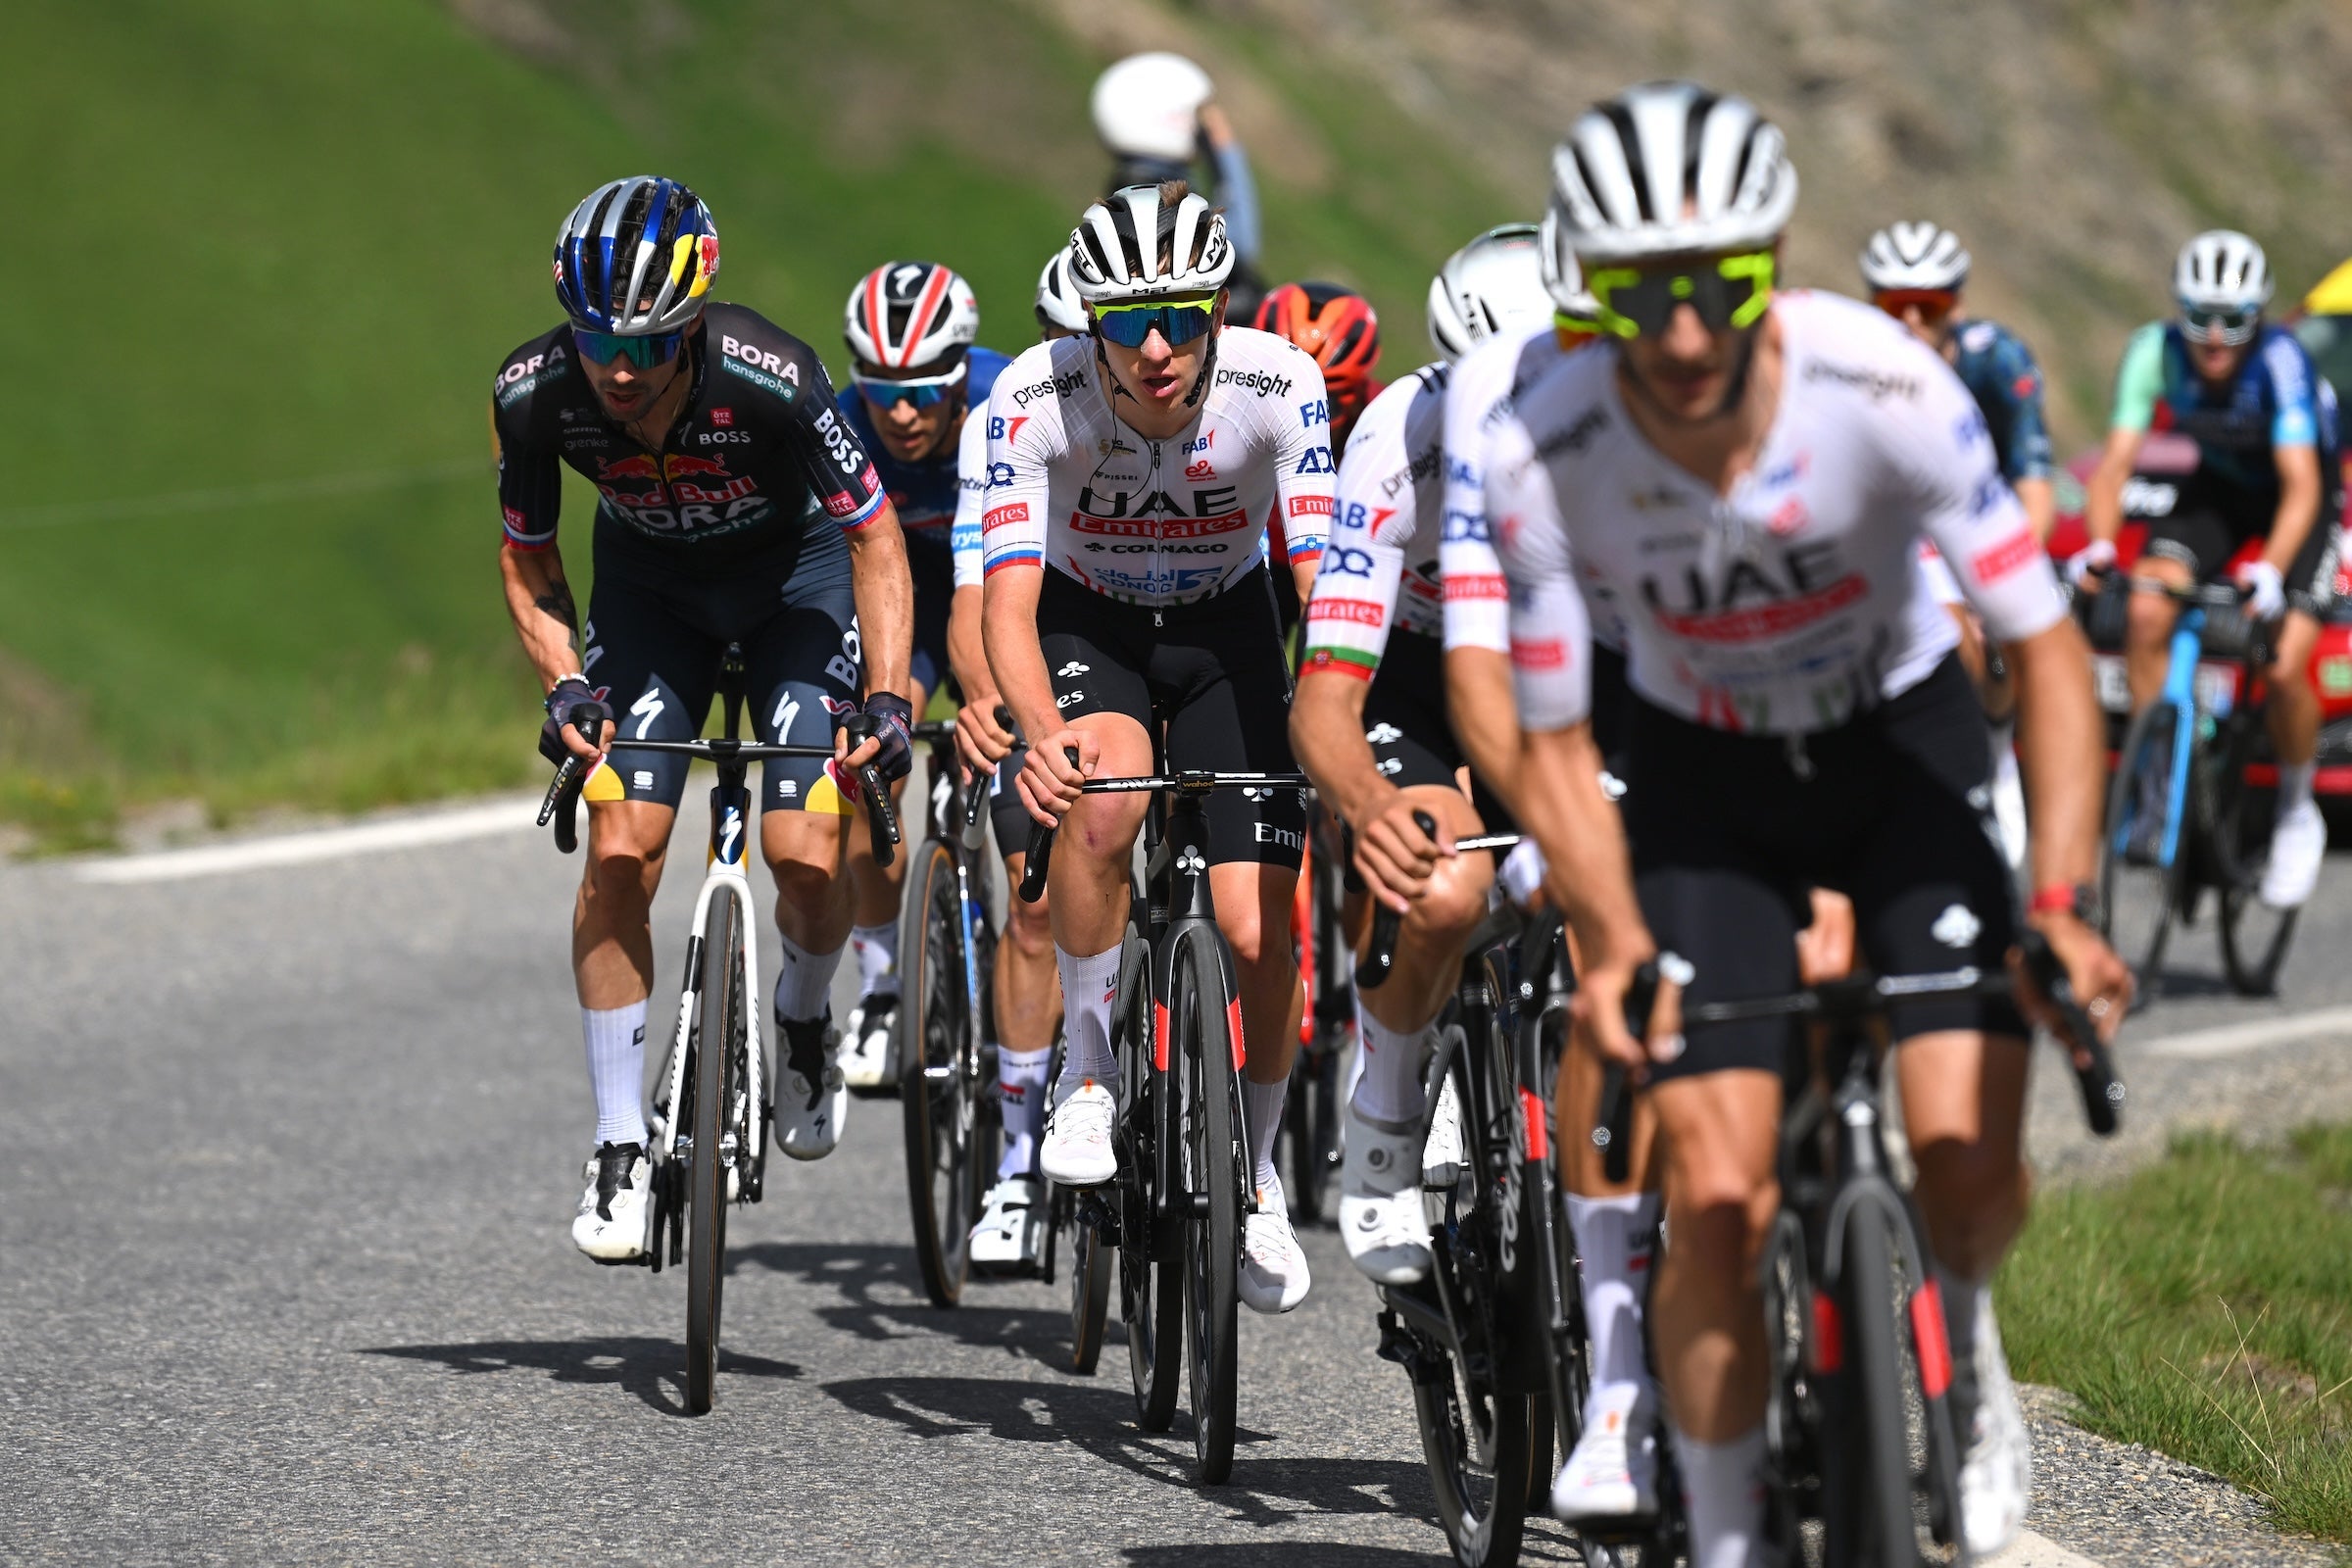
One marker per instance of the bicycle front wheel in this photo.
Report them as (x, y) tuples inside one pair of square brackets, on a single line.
[(936, 1094), (1907, 1500), (2140, 883), (1213, 1164), (1150, 1286), (2254, 935), (717, 1041)]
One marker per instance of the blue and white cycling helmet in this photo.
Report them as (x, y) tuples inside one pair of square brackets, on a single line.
[(2222, 281), (636, 258)]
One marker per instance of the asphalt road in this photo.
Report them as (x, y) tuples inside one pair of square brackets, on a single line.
[(287, 1157)]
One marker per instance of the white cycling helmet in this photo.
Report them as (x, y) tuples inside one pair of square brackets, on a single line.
[(1148, 106), (1115, 251), (1490, 286), (1563, 278), (1917, 255), (1670, 166), (1057, 300), (2222, 270), (905, 314)]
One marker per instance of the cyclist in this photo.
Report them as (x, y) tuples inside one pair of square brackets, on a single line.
[(1009, 1234), (1369, 725), (1917, 273), (733, 505), (1750, 473), (1137, 467), (2265, 425), (1341, 329), (1157, 115), (1611, 1474), (914, 372)]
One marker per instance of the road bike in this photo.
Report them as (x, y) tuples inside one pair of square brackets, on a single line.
[(1859, 1429), (1175, 1210), (712, 1096), (2181, 820)]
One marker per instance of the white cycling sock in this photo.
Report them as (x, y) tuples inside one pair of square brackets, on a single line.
[(877, 950), (1261, 1108), (617, 1071), (1089, 986), (2294, 785), (1390, 1088), (1613, 1237), (1021, 1082), (803, 979), (1722, 1494)]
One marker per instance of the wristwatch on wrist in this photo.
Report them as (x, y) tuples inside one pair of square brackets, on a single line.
[(2078, 899)]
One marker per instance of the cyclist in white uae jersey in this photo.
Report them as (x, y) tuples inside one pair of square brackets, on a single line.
[(1137, 467), (1369, 724), (1750, 474)]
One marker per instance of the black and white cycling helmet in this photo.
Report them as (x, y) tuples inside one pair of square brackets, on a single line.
[(1563, 278), (2222, 270), (1058, 307), (1490, 286), (905, 314), (1134, 245), (1670, 166), (1921, 256), (636, 258)]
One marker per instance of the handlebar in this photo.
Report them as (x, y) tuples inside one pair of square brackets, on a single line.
[(1191, 781), (1379, 955)]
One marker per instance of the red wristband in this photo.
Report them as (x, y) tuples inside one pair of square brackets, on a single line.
[(2063, 898)]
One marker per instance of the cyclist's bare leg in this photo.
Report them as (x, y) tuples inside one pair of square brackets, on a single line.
[(1096, 841), (1707, 1313), (1395, 1015), (1964, 1099), (611, 931), (2292, 714), (2148, 628), (803, 849), (1028, 990)]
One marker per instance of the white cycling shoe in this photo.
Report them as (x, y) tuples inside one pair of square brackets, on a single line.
[(1076, 1150), (809, 1110), (1381, 1218), (1011, 1234), (865, 1042), (1996, 1469), (2299, 844), (1273, 1276), (611, 1226), (1612, 1473)]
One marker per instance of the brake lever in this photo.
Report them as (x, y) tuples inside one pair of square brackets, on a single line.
[(1380, 958), (1614, 1133), (1041, 850), (562, 800), (2102, 1091)]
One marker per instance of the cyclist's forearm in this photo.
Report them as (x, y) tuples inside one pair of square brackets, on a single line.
[(1327, 734), (884, 592), (2060, 738), (1486, 718), (546, 620), (1009, 626), (1588, 871), (2298, 507), (2040, 498), (968, 650)]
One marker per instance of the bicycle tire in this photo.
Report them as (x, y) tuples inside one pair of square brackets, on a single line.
[(1151, 1287), (1897, 1495), (1201, 1007), (2254, 935), (717, 1034), (1090, 1294), (2121, 886), (1474, 1438), (934, 1093)]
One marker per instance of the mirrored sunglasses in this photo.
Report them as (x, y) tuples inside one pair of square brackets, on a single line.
[(644, 352), (1733, 291), (1129, 326)]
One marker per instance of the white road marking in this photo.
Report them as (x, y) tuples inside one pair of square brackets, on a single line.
[(2236, 1039), (516, 813), (2029, 1550)]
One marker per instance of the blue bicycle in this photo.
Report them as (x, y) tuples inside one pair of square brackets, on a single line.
[(2181, 819)]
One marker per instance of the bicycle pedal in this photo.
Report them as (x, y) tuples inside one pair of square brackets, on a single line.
[(1441, 1178)]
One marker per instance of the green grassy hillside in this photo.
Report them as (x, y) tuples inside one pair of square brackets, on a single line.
[(275, 252)]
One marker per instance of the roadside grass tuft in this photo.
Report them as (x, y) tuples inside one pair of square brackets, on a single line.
[(2202, 1308)]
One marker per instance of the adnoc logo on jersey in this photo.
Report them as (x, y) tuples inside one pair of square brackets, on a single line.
[(1265, 383)]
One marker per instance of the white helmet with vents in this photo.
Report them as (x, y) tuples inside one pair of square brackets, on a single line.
[(1668, 168), (1133, 246), (905, 315), (1490, 286), (1918, 255), (1057, 300), (2222, 270), (1148, 106), (1563, 278)]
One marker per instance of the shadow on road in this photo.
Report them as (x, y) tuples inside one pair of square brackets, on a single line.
[(1098, 1419), (883, 1299), (653, 1370)]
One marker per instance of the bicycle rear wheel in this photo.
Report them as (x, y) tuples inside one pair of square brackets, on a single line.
[(1150, 1288), (717, 1040), (2254, 935), (935, 1086), (2138, 887), (1212, 1161), (1907, 1501)]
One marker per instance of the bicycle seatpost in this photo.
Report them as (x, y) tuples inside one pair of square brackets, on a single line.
[(1380, 959), (1613, 1134), (1041, 849)]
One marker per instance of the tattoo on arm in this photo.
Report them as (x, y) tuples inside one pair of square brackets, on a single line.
[(556, 603)]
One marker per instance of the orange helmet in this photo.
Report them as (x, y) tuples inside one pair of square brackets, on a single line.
[(1336, 325)]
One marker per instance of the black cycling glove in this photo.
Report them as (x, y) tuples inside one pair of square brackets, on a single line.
[(572, 700), (892, 723)]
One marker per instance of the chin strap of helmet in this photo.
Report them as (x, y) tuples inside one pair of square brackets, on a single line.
[(1208, 369)]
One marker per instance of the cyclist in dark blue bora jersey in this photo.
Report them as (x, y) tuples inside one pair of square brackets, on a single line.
[(734, 505), (2268, 469), (914, 371)]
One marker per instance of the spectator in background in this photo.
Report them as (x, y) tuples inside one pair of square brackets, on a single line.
[(1157, 116)]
